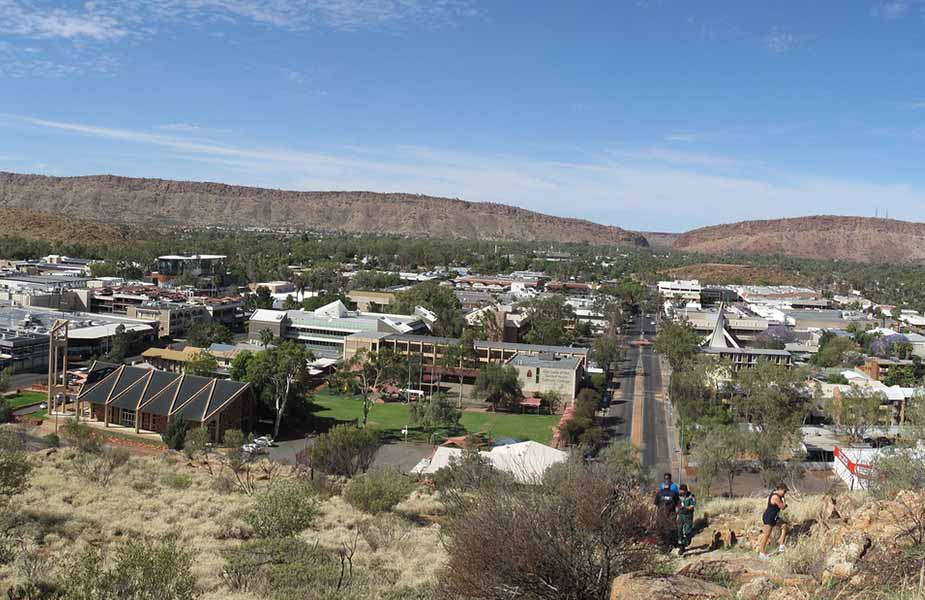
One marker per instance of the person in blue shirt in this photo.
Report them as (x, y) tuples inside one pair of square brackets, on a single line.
[(668, 484)]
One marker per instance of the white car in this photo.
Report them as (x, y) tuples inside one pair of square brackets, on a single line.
[(251, 448), (264, 441)]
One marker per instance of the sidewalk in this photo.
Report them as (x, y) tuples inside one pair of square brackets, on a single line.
[(672, 430)]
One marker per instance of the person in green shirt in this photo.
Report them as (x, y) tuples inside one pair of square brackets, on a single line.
[(685, 517)]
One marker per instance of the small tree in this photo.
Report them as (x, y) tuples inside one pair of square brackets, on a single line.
[(498, 384), (6, 410), (436, 413), (606, 352), (280, 374), (372, 370), (5, 376), (175, 434), (344, 450), (197, 441), (14, 467), (857, 411), (202, 364), (203, 335), (717, 454)]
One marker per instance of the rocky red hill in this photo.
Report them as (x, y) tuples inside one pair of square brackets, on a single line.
[(824, 237), (156, 201)]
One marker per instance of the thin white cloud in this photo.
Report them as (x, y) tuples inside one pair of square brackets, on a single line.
[(780, 41), (190, 128), (894, 9), (96, 27), (683, 136), (625, 190)]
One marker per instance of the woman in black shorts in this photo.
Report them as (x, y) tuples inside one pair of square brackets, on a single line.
[(771, 519)]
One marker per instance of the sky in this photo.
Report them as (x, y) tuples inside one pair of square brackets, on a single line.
[(654, 115)]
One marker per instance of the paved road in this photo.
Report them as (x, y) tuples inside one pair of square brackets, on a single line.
[(619, 417)]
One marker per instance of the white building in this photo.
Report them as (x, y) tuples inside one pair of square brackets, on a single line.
[(680, 289)]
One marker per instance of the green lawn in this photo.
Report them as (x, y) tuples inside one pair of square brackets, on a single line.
[(392, 417), (25, 399)]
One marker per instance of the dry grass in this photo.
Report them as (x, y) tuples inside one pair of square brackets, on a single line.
[(63, 512), (799, 507)]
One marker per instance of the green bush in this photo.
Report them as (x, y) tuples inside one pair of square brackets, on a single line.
[(233, 438), (176, 481), (377, 491), (344, 450), (52, 440), (197, 441), (6, 411), (175, 435), (138, 571), (283, 511)]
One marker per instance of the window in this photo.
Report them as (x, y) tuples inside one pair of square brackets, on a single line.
[(128, 418)]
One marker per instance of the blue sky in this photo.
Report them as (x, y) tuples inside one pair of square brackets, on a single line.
[(658, 114)]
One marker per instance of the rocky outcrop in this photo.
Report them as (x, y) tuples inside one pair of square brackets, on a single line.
[(824, 237), (155, 201), (634, 586), (35, 225)]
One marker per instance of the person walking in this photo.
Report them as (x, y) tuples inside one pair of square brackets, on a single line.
[(771, 519), (686, 506), (667, 500)]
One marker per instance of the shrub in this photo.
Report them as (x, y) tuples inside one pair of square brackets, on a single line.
[(6, 411), (548, 543), (377, 491), (233, 438), (344, 450), (384, 531), (176, 481), (898, 470), (139, 571), (197, 441), (283, 511), (471, 472), (14, 467), (100, 468), (175, 435), (283, 568), (81, 437), (52, 440)]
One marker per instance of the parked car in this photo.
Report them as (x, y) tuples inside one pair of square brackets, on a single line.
[(264, 441)]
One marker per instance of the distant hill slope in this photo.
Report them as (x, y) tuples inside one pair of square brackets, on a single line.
[(156, 201), (55, 228), (860, 239), (658, 239)]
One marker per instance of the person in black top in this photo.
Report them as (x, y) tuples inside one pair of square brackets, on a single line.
[(667, 501), (771, 519)]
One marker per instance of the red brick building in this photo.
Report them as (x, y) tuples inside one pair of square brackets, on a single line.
[(146, 399)]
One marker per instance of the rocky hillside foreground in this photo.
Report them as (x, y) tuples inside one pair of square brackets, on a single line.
[(860, 239), (155, 201), (847, 548)]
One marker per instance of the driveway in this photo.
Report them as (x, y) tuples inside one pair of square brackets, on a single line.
[(400, 455)]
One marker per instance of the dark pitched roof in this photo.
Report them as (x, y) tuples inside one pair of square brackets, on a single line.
[(159, 392)]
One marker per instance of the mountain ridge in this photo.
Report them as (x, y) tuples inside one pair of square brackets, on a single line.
[(143, 201), (827, 237)]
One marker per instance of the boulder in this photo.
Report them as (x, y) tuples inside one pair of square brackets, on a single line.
[(786, 593), (634, 586), (829, 509), (742, 571), (841, 561), (757, 588)]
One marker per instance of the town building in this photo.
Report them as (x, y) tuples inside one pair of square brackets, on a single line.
[(723, 344), (146, 399), (680, 289), (206, 270), (544, 373), (371, 301), (325, 329)]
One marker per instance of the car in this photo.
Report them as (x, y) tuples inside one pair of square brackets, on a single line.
[(263, 441), (43, 405), (251, 448)]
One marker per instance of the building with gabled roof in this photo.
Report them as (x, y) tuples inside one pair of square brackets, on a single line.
[(146, 399), (722, 343)]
